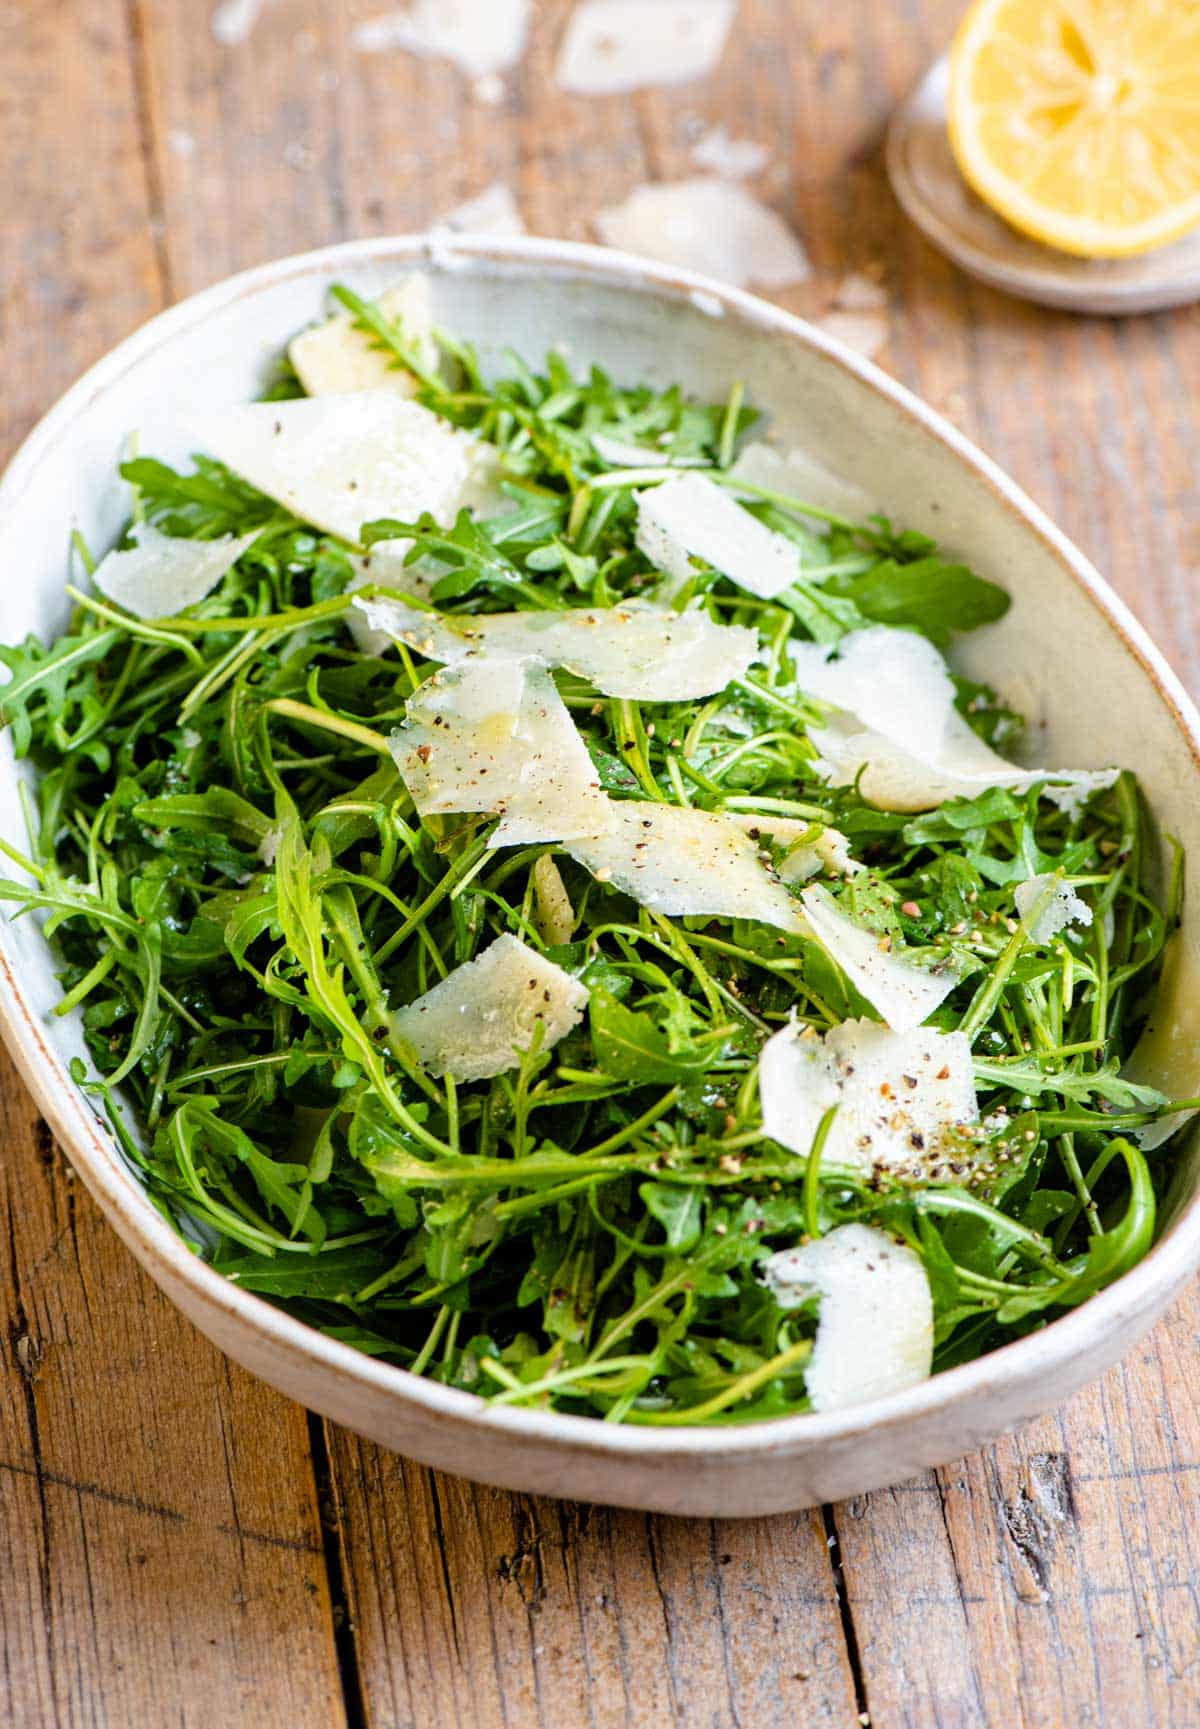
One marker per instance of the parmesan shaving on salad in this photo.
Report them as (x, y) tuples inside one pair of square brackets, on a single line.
[(496, 737), (1062, 907), (622, 453), (342, 460), (875, 1328), (159, 576), (795, 474), (899, 990), (682, 862), (553, 913), (631, 651), (896, 731), (690, 517), (336, 357), (384, 567), (483, 1016), (897, 1094), (811, 849)]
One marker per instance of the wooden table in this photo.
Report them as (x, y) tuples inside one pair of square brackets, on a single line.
[(178, 1544)]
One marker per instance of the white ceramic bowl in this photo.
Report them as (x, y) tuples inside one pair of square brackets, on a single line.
[(1068, 651)]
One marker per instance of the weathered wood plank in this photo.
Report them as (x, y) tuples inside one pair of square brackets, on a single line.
[(292, 139), (473, 1608), (78, 269), (238, 134), (161, 1555)]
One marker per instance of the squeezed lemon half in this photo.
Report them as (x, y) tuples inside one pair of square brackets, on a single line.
[(1079, 120)]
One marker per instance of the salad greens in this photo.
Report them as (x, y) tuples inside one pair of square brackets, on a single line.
[(242, 893)]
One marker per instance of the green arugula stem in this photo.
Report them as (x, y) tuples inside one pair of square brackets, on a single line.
[(301, 711), (738, 1390)]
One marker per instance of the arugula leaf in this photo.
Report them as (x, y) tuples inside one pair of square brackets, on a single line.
[(927, 594), (42, 678), (203, 505), (630, 1046)]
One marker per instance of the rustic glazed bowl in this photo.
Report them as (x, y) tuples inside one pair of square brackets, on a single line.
[(1068, 652)]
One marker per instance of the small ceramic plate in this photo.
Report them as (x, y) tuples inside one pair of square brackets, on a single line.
[(933, 193)]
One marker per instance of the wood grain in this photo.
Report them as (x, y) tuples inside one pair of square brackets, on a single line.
[(474, 1608), (160, 1545)]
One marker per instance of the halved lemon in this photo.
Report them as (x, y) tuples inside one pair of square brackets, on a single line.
[(1079, 120)]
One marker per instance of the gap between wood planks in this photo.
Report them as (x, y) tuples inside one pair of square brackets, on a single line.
[(156, 196), (349, 1668), (846, 1612)]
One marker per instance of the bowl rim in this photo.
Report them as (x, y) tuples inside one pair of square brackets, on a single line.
[(1144, 1290)]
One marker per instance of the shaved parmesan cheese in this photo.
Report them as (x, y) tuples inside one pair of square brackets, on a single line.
[(233, 20), (713, 226), (1156, 1135), (492, 211), (1063, 907), (796, 474), (336, 356), (484, 1015), (679, 861), (617, 453), (897, 726), (616, 45), (339, 461), (495, 736), (731, 157), (159, 576), (387, 621), (384, 567), (893, 681), (481, 37), (897, 1094), (691, 517), (901, 992), (809, 852), (875, 1332), (859, 292), (636, 652)]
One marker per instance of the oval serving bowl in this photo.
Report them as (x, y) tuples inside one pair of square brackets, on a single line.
[(1093, 685)]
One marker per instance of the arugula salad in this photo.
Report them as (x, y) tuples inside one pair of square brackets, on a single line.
[(543, 911)]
